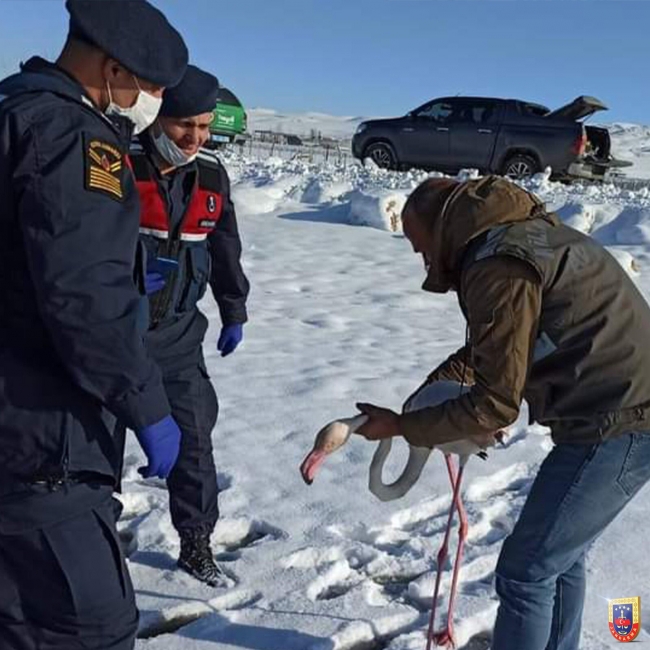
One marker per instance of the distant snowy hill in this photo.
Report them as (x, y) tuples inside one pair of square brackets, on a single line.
[(303, 124)]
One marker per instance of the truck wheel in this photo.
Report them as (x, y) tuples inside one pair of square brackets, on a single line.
[(382, 155), (520, 166)]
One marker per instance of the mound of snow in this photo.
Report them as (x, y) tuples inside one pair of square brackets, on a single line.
[(378, 209), (588, 217), (631, 227), (266, 192), (253, 200), (320, 190)]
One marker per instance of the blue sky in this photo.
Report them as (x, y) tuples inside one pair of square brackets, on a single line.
[(383, 57)]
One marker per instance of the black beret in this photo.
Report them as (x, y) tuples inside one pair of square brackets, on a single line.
[(134, 33), (195, 94)]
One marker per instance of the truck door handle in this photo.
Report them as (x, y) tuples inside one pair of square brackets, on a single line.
[(485, 130), (408, 128), (442, 128)]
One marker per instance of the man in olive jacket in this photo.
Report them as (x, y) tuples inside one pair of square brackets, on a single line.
[(551, 318)]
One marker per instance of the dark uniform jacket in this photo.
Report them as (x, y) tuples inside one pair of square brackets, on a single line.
[(71, 354), (552, 318), (188, 216)]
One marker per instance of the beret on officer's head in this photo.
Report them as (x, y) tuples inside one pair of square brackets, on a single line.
[(195, 94), (134, 33)]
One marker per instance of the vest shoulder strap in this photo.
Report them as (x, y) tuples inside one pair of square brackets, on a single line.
[(526, 241), (211, 172), (140, 164)]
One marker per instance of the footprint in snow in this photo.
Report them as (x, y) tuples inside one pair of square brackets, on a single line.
[(172, 619), (512, 479), (232, 536)]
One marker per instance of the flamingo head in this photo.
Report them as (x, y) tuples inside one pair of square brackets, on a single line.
[(328, 440)]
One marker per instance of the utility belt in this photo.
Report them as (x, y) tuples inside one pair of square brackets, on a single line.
[(35, 506), (59, 481), (52, 482)]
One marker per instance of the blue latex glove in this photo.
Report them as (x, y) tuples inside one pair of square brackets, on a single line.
[(230, 337), (161, 443), (153, 282)]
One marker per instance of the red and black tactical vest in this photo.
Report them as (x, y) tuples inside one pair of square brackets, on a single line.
[(202, 213), (200, 218)]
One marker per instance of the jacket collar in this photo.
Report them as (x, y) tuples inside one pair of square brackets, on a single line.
[(39, 75)]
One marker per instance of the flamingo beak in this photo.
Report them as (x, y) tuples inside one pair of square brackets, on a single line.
[(311, 465)]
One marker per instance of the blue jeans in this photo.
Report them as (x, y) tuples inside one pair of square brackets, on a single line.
[(540, 575)]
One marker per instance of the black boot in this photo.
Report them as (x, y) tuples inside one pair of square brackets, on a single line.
[(196, 558)]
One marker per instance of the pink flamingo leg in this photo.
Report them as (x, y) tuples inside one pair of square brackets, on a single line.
[(446, 637)]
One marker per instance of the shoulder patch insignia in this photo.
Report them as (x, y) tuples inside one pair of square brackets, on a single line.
[(625, 618), (104, 165)]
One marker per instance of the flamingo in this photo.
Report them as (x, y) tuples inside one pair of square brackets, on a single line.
[(334, 435)]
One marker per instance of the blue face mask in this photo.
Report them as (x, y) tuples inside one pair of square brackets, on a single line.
[(170, 151), (143, 113)]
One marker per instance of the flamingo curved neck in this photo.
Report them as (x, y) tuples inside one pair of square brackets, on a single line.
[(355, 422), (431, 395), (417, 459)]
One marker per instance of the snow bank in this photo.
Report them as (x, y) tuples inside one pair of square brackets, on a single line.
[(377, 209), (588, 217), (631, 227), (375, 197)]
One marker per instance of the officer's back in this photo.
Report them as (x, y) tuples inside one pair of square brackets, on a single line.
[(71, 355), (72, 359)]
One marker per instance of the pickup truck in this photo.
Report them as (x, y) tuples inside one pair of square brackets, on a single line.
[(504, 136)]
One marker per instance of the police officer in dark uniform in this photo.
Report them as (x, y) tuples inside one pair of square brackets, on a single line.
[(189, 230), (72, 358)]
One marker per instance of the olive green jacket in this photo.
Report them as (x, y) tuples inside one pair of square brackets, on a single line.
[(551, 316)]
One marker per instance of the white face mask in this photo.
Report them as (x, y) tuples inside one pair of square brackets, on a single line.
[(143, 113), (170, 151)]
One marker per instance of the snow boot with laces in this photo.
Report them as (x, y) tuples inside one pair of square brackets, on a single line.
[(197, 560)]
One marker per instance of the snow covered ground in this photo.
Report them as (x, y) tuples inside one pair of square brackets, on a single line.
[(632, 142), (337, 316)]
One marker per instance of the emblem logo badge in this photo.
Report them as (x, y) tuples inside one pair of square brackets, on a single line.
[(625, 618), (212, 204), (104, 169)]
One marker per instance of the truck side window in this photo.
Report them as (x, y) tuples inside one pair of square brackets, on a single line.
[(438, 112), (533, 110), (477, 112)]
